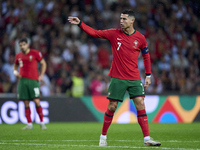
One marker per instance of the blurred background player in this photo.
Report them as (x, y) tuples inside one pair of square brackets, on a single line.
[(28, 87), (126, 45)]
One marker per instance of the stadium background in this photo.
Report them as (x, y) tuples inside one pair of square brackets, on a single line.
[(78, 64)]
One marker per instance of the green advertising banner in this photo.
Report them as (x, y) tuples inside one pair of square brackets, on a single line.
[(160, 109)]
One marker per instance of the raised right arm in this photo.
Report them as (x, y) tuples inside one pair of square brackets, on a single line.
[(95, 33)]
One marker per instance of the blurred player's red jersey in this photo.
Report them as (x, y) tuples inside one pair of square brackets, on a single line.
[(28, 64), (125, 49)]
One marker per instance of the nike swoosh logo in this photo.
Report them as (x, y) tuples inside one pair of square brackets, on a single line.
[(119, 39)]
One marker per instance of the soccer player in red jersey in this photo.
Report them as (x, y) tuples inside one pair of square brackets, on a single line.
[(126, 44), (28, 87)]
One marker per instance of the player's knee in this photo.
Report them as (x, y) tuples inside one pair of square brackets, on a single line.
[(139, 103), (37, 102), (140, 106), (112, 107), (26, 104)]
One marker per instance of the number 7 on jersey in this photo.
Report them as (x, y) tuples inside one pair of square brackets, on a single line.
[(119, 44)]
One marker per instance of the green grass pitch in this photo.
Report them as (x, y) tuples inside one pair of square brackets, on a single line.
[(85, 136)]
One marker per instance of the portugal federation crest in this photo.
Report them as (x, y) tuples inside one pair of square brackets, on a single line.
[(135, 44)]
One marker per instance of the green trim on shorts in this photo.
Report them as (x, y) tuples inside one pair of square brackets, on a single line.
[(28, 89), (118, 88)]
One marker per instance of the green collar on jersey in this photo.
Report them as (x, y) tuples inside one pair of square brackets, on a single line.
[(129, 34)]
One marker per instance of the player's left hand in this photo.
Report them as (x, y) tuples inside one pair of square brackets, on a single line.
[(147, 82), (40, 78)]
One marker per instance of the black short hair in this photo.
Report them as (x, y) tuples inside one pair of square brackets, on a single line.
[(129, 12), (23, 40)]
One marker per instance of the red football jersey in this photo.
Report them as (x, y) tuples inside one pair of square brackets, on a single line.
[(125, 50), (28, 64)]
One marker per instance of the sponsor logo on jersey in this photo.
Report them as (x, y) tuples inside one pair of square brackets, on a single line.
[(119, 39)]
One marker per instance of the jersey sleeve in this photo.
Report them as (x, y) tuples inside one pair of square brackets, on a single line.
[(38, 56), (16, 60), (143, 46), (104, 34), (145, 56), (147, 63)]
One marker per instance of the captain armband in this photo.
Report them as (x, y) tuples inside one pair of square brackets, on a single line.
[(145, 50)]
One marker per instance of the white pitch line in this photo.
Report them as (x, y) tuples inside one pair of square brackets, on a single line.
[(121, 147), (169, 141)]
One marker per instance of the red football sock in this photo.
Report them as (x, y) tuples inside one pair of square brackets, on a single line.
[(107, 121), (143, 122), (39, 111), (28, 114)]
